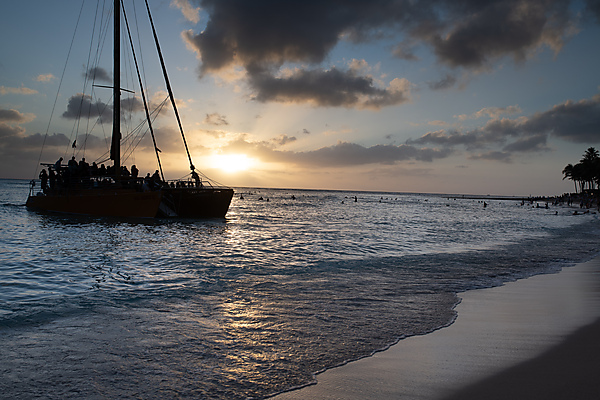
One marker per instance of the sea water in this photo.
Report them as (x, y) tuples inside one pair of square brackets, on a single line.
[(256, 303)]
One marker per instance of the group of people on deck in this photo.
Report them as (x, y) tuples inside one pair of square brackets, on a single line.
[(81, 174)]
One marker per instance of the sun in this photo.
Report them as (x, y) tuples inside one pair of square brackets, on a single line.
[(231, 162)]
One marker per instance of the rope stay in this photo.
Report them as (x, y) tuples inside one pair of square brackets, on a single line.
[(62, 76), (168, 84), (143, 92)]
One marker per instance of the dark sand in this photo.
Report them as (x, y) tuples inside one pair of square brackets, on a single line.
[(523, 340)]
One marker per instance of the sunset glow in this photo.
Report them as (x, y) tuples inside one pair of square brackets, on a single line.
[(487, 97), (231, 163)]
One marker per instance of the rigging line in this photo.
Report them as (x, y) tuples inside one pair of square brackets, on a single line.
[(164, 69), (87, 128), (139, 37), (102, 35), (143, 94), (58, 91), (154, 114), (135, 137), (86, 80)]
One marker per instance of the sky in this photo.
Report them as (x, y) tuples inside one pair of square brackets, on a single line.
[(427, 96)]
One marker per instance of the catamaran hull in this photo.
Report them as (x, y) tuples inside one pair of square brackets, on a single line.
[(99, 202), (196, 202)]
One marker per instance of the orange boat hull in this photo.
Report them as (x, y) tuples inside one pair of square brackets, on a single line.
[(196, 202), (118, 202)]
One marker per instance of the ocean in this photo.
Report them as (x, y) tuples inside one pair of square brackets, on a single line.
[(257, 303)]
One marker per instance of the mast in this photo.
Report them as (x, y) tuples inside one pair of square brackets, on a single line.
[(115, 152)]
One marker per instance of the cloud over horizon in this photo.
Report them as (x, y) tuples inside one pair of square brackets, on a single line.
[(342, 154), (576, 122)]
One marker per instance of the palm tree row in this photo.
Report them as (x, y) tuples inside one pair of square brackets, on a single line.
[(586, 173)]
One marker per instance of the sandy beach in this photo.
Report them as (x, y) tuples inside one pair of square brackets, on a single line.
[(536, 338)]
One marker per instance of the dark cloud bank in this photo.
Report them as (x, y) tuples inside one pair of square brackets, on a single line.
[(577, 122), (263, 35)]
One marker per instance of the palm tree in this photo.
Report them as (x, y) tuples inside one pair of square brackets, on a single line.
[(586, 172), (568, 173), (589, 162)]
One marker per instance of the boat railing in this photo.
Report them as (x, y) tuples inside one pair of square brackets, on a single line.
[(181, 184), (62, 179)]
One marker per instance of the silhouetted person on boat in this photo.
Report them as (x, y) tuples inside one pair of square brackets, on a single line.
[(147, 182), (134, 172), (72, 162), (84, 171), (72, 168), (52, 178), (196, 179), (94, 169), (44, 179), (58, 165), (155, 180)]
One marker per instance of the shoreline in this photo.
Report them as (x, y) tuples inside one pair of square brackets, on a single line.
[(499, 334)]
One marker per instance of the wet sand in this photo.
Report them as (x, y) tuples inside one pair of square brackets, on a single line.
[(534, 338)]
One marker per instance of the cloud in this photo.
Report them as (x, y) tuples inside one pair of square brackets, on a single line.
[(445, 83), (45, 78), (98, 74), (491, 29), (491, 112), (22, 90), (533, 143), (343, 154), (15, 141), (405, 51), (577, 122), (282, 140), (15, 116), (190, 12), (7, 131), (438, 123), (593, 8), (262, 36), (81, 106), (216, 119), (501, 156), (13, 137), (331, 88)]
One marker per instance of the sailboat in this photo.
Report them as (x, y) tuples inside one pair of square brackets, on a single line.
[(77, 188)]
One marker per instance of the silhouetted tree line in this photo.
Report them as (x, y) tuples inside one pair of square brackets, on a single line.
[(586, 173)]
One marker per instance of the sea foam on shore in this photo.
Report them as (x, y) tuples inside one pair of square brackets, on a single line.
[(496, 329)]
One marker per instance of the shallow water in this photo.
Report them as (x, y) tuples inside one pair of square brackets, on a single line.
[(256, 303)]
